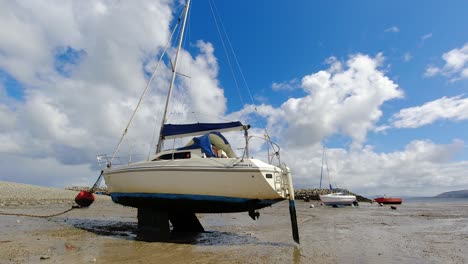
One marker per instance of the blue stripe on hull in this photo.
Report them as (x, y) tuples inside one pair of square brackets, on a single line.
[(190, 202), (193, 197)]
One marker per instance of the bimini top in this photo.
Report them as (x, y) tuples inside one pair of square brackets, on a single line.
[(183, 130), (209, 144)]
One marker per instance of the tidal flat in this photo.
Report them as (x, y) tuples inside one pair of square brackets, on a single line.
[(419, 231)]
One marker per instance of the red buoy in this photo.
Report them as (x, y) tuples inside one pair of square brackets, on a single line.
[(84, 198)]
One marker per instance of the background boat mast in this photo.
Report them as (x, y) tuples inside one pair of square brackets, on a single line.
[(174, 68), (321, 168)]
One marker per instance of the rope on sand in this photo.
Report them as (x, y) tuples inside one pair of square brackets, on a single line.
[(42, 216)]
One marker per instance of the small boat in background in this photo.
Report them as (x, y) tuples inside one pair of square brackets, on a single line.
[(389, 200), (334, 199)]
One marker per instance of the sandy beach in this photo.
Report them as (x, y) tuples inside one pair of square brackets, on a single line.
[(419, 231)]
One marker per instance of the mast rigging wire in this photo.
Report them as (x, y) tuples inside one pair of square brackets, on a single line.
[(146, 89), (213, 10), (225, 52)]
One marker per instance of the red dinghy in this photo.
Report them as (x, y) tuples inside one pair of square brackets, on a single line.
[(389, 200)]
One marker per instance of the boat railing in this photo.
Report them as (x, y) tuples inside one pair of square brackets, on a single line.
[(104, 161), (273, 149)]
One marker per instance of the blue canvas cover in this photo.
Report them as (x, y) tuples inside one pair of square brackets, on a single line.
[(171, 130), (204, 143)]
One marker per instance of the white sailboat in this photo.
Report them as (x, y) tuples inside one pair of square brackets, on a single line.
[(338, 198), (334, 198), (205, 176)]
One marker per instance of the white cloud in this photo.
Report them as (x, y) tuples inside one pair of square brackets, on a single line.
[(203, 88), (407, 57), (46, 172), (70, 119), (346, 100), (427, 36), (431, 71), (393, 29), (456, 65), (452, 108), (288, 85), (422, 168), (342, 100)]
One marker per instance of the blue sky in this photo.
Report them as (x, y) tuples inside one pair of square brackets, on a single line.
[(383, 84), (277, 41)]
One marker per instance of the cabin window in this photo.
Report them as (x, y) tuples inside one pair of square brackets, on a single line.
[(269, 175), (177, 155)]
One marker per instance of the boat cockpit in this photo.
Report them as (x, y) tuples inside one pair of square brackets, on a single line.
[(210, 145)]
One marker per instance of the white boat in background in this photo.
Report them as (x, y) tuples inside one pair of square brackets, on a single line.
[(205, 176), (334, 199)]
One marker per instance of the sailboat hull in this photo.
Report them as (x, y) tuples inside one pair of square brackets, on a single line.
[(337, 199), (389, 200), (191, 203), (196, 185)]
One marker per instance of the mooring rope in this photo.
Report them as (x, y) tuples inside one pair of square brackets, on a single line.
[(42, 216)]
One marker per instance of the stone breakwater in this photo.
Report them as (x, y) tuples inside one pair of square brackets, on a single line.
[(313, 194), (85, 188), (16, 194)]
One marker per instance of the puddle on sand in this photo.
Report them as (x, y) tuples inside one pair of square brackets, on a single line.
[(130, 231)]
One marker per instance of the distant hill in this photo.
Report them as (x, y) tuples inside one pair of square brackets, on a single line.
[(454, 194)]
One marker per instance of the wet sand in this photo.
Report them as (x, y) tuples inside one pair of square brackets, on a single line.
[(417, 232)]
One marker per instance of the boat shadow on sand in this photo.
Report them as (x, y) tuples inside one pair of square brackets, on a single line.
[(130, 231)]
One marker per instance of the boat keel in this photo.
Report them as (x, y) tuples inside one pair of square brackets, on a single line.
[(185, 222), (153, 225)]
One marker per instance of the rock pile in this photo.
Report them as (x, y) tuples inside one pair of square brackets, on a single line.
[(102, 190), (313, 194)]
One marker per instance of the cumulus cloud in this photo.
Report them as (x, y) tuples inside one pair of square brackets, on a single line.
[(46, 172), (82, 67), (289, 85), (203, 72), (445, 108), (456, 65), (422, 168), (432, 71), (344, 99)]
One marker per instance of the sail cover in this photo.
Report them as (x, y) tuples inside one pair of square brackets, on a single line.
[(206, 141), (177, 131)]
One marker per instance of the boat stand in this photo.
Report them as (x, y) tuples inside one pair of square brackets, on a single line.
[(153, 225)]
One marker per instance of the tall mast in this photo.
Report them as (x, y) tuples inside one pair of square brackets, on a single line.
[(321, 168), (174, 68)]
